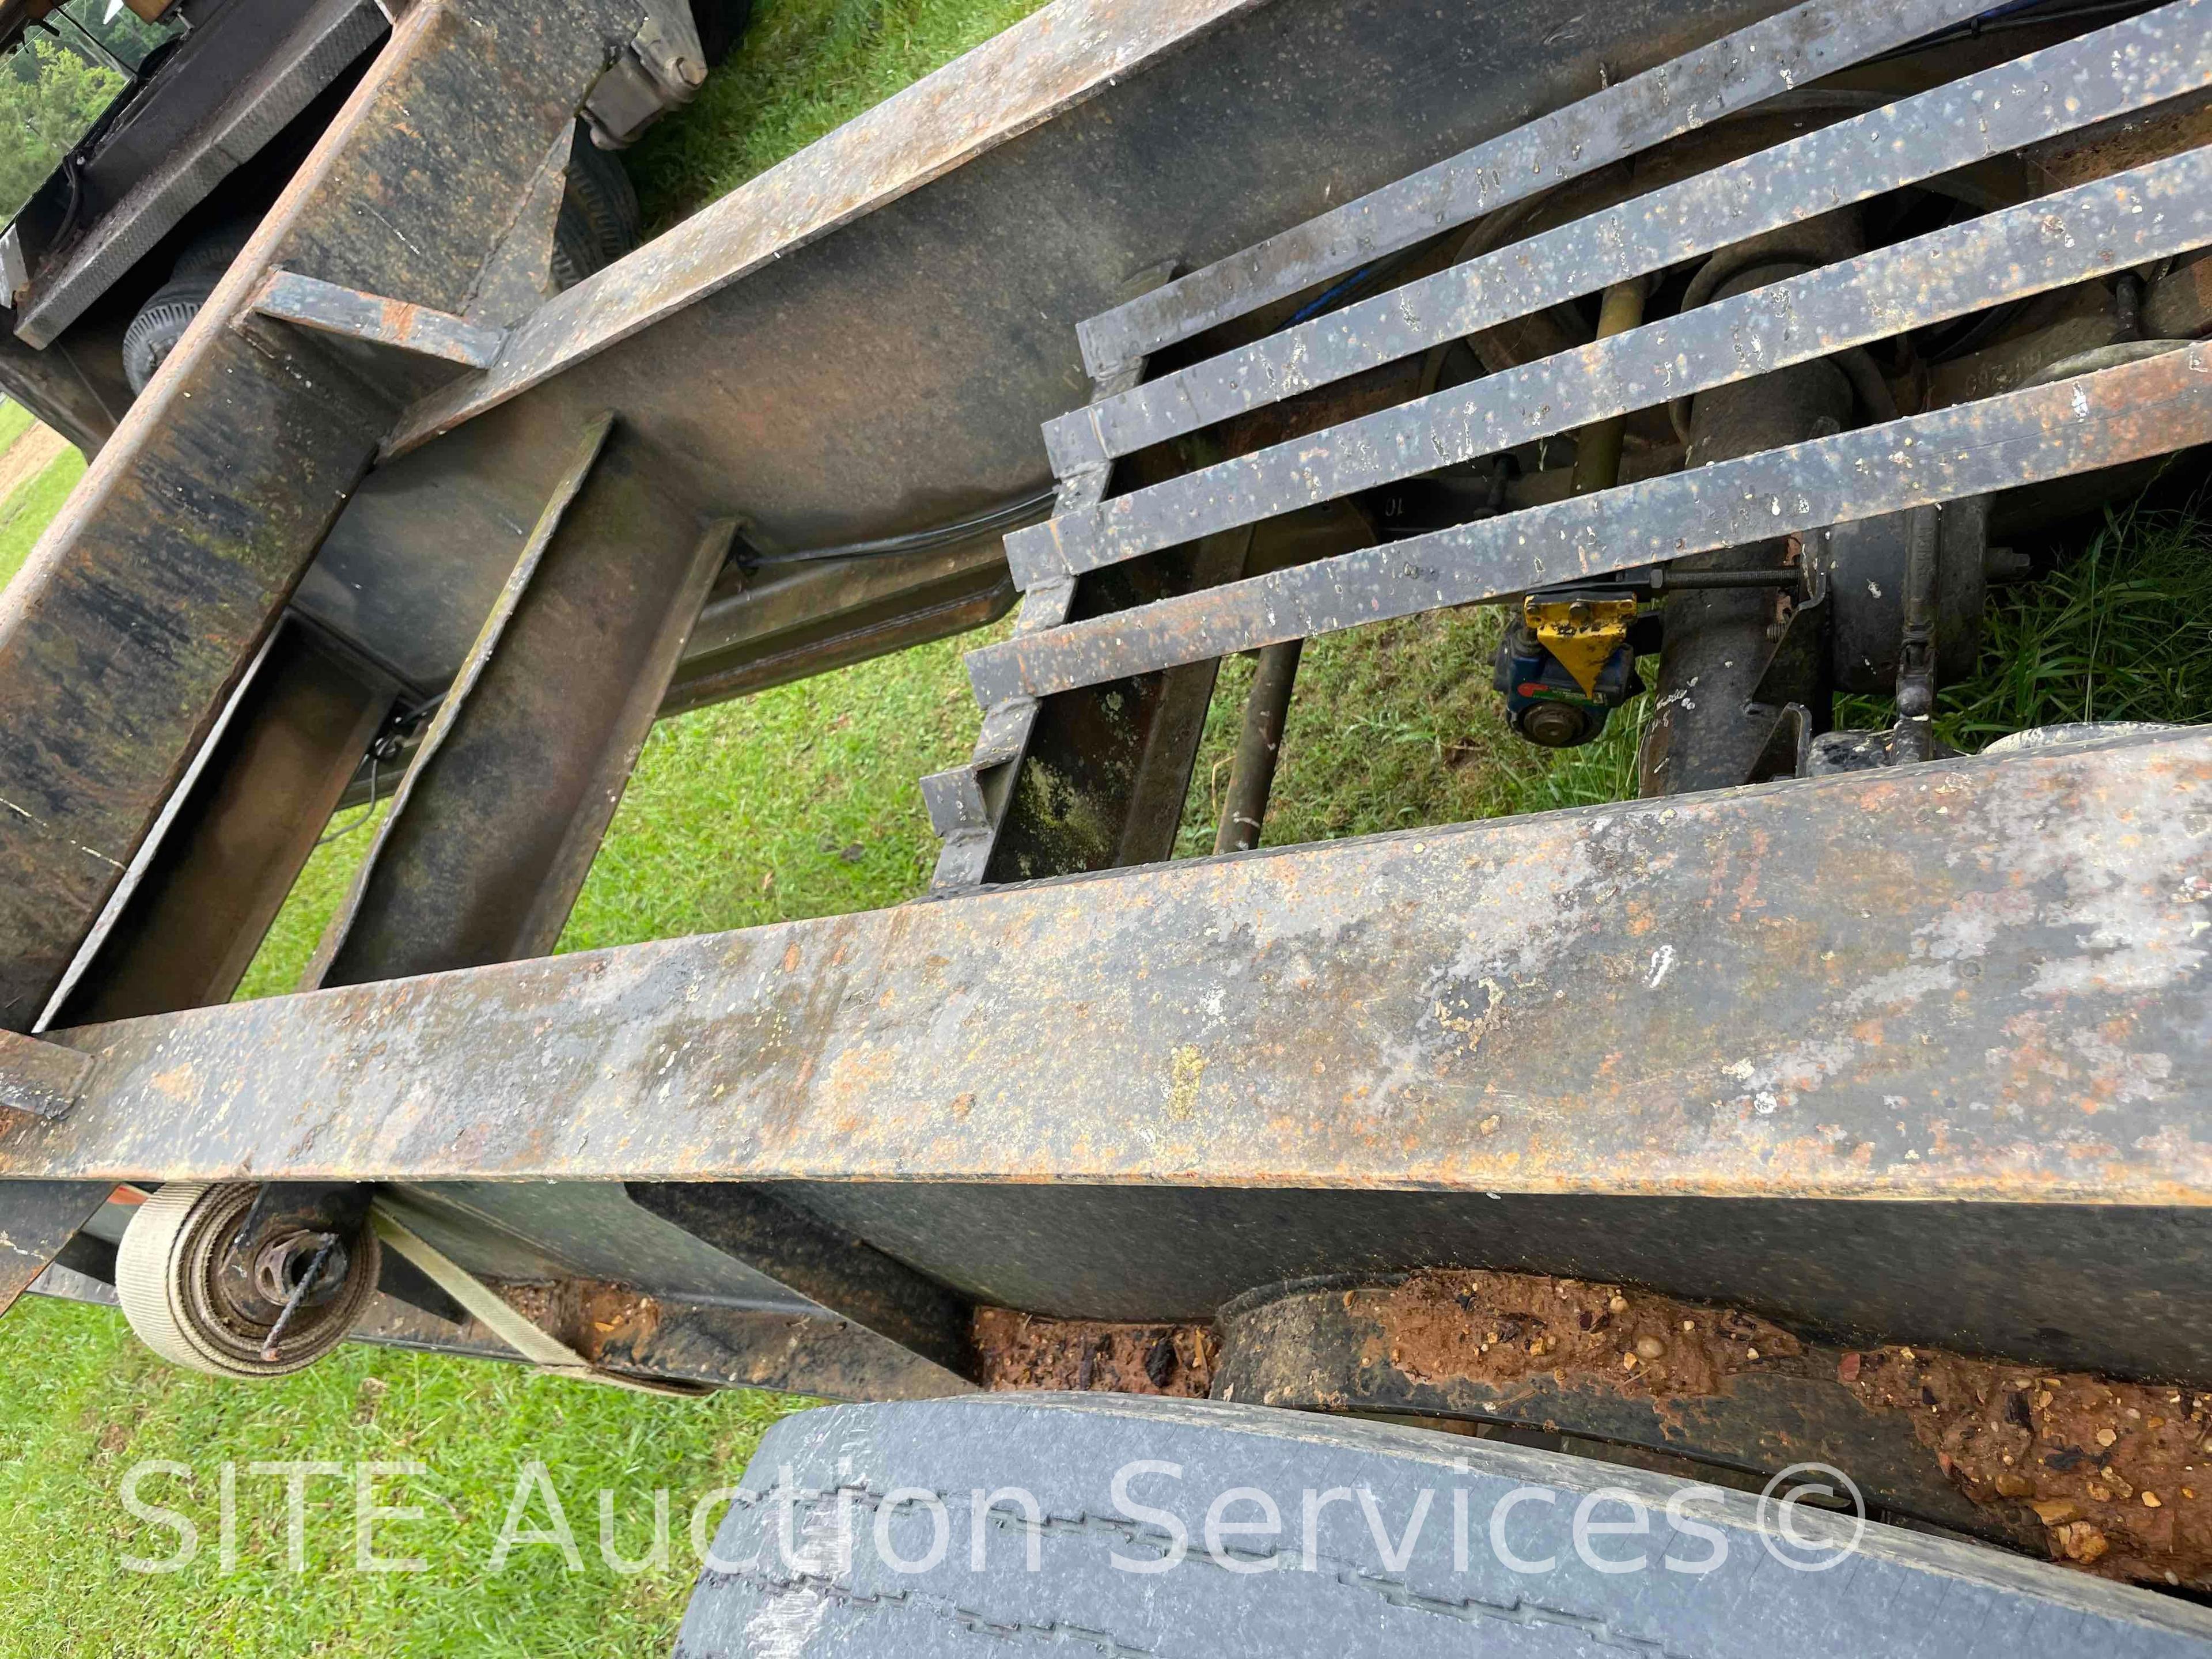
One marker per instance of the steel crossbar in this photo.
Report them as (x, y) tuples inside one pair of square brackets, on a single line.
[(1731, 74), (2130, 412), (2110, 224), (2111, 72)]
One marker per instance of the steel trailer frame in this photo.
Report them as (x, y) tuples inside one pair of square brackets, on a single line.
[(1842, 1050)]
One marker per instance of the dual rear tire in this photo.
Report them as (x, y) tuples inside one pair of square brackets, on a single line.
[(598, 224)]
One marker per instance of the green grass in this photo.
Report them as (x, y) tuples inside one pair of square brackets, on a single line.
[(15, 421), (2121, 632), (806, 67), (24, 514), (1393, 727), (83, 1404)]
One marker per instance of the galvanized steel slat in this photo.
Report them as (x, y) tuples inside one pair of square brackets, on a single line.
[(2127, 67), (2142, 409), (2110, 224), (1732, 73)]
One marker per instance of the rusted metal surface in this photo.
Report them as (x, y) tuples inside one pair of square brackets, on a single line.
[(830, 1269), (676, 1340), (1609, 1362), (832, 394), (148, 594), (320, 41), (1013, 82), (2179, 303), (2025, 1021), (1020, 1351), (2114, 1472), (38, 1218), (492, 835), (778, 623), (39, 1080), (2129, 66), (2147, 408), (2054, 241), (249, 815), (1732, 73), (1258, 742), (332, 308), (969, 805)]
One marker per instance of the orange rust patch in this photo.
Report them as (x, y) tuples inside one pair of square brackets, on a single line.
[(1505, 1329), (2119, 1474), (1021, 1351), (597, 1319)]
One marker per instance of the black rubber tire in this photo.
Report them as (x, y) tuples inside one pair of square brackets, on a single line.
[(1896, 1593), (721, 25), (599, 220), (160, 323), (210, 253)]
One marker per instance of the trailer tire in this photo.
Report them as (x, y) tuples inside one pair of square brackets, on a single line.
[(1091, 1484), (721, 25), (161, 323), (599, 220)]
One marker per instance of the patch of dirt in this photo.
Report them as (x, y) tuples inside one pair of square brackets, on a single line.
[(1503, 1329), (1020, 1351), (28, 457), (2119, 1474)]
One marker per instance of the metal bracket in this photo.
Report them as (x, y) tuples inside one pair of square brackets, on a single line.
[(40, 1079), (662, 69), (329, 308), (1582, 629)]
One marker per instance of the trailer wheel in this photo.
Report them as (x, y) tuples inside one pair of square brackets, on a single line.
[(599, 220), (982, 1523), (160, 323), (721, 25), (198, 1301)]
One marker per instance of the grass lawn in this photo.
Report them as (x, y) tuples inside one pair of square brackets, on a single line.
[(801, 801), (25, 513), (15, 421)]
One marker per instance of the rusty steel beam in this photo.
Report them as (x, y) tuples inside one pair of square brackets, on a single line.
[(38, 1218), (2143, 216), (826, 1266), (146, 598), (490, 840), (1730, 994), (1013, 82), (198, 901), (677, 1339), (39, 1080), (2109, 73), (2151, 407), (794, 302), (332, 308)]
